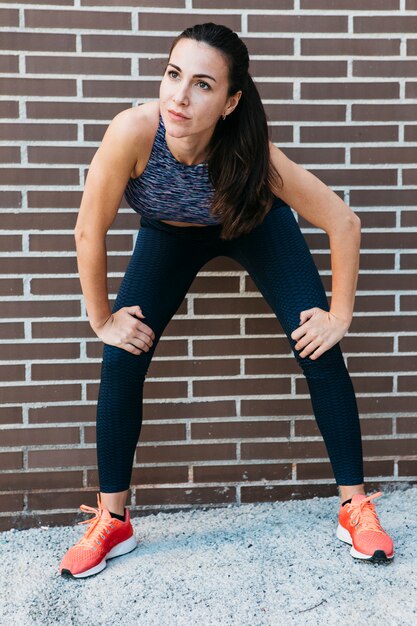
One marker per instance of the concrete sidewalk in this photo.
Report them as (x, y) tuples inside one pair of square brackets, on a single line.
[(253, 565)]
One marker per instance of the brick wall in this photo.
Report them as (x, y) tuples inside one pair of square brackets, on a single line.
[(227, 415)]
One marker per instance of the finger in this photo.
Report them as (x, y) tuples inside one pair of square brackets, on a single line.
[(320, 350), (313, 345), (305, 315), (142, 336), (145, 329), (135, 310), (305, 340), (299, 332), (141, 343), (130, 348)]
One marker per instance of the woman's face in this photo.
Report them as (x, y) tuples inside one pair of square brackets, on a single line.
[(195, 84)]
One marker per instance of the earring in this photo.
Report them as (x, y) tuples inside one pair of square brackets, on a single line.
[(224, 116)]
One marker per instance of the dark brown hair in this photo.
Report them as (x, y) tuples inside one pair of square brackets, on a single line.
[(239, 164)]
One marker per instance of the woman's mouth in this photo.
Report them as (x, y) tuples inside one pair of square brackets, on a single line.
[(177, 116)]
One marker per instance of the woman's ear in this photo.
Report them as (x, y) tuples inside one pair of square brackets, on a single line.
[(233, 101)]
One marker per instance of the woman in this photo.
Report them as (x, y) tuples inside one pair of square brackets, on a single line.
[(199, 168)]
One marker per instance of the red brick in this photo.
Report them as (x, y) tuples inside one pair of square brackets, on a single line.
[(298, 68), (242, 346), (8, 108), (274, 493), (10, 460), (407, 468), (72, 111), (38, 176), (159, 475), (11, 287), (40, 436), (245, 4), (243, 386), (12, 330), (283, 450), (56, 286), (388, 447), (24, 351), (239, 430), (349, 91), (41, 393), (57, 199), (10, 415), (140, 43), (348, 133), (189, 410), (185, 495), (383, 197), (47, 42), (77, 65), (274, 365), (277, 407), (33, 308), (38, 87), (12, 372), (9, 17), (64, 154), (119, 20), (385, 24), (384, 112), (306, 112), (178, 21), (186, 452), (193, 367), (71, 330), (206, 326), (314, 471), (242, 472), (39, 480), (71, 457), (406, 424), (350, 47), (11, 502), (298, 23), (57, 414), (356, 5)]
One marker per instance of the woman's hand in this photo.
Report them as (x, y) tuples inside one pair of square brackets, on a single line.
[(319, 330), (123, 330)]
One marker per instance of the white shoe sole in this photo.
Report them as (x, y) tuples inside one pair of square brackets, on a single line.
[(121, 548), (379, 555)]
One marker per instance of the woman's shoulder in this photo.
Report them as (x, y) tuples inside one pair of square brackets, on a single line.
[(139, 122), (138, 125)]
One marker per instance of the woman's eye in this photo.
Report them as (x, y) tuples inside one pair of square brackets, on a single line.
[(170, 72), (201, 82)]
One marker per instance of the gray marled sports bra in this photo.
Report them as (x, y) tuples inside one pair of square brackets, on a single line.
[(170, 190)]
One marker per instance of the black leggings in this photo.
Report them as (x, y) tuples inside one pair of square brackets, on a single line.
[(163, 265)]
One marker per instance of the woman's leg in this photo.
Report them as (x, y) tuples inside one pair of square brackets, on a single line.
[(161, 270), (276, 256)]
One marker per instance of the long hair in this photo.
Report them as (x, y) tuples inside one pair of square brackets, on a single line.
[(239, 164)]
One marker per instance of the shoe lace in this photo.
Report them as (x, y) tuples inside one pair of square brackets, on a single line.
[(363, 514), (98, 527)]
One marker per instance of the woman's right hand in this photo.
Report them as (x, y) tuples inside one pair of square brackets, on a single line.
[(123, 330)]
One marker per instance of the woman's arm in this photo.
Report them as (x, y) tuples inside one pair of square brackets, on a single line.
[(107, 177), (320, 206)]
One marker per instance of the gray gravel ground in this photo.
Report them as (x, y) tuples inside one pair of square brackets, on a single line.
[(253, 565)]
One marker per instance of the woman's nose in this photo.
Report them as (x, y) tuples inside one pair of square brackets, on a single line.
[(180, 96)]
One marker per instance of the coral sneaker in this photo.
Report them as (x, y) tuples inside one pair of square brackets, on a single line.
[(105, 538), (359, 526)]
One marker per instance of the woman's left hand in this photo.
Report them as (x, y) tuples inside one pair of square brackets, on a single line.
[(319, 330)]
